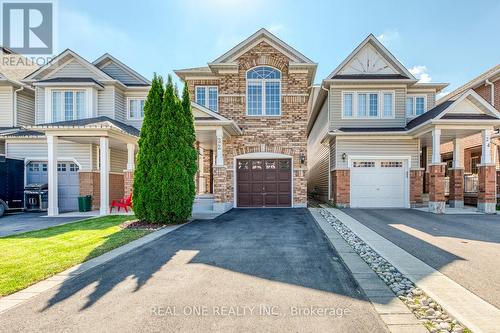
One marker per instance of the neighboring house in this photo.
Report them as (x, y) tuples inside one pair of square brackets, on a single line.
[(374, 133), (85, 124), (250, 108), (17, 99), (487, 85)]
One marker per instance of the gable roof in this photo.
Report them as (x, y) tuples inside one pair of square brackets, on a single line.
[(474, 83), (382, 50), (106, 58), (274, 41), (55, 63)]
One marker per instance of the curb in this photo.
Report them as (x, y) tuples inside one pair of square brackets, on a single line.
[(393, 312), (17, 298)]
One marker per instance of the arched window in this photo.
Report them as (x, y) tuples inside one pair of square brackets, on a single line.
[(263, 91)]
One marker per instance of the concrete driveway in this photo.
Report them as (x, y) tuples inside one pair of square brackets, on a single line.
[(16, 223), (466, 248), (265, 270)]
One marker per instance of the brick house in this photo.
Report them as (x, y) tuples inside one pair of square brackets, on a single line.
[(250, 107), (375, 136), (487, 85)]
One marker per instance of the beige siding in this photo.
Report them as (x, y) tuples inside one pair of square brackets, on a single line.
[(37, 149), (317, 156), (333, 153), (430, 100), (336, 120), (74, 69), (6, 106), (106, 102), (375, 148), (39, 105), (25, 109), (118, 160), (120, 106), (118, 73)]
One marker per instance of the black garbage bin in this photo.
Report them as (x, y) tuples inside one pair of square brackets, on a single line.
[(85, 203)]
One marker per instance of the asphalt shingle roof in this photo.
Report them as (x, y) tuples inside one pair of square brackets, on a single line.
[(90, 121)]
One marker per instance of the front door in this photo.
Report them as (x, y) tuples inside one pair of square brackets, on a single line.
[(264, 183)]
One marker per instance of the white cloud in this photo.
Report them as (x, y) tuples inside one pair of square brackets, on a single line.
[(388, 36), (420, 72)]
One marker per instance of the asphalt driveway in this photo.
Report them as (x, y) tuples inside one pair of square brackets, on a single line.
[(16, 223), (466, 248), (266, 270)]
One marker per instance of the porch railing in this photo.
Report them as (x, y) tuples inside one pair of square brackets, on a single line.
[(470, 183)]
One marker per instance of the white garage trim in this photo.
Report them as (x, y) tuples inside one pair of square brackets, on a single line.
[(27, 161), (406, 159), (256, 156)]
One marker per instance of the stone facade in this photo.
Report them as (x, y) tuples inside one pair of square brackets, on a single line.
[(416, 186), (90, 185), (341, 184), (437, 198), (487, 183), (285, 134), (456, 196)]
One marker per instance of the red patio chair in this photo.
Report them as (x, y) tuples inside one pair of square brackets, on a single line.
[(125, 202)]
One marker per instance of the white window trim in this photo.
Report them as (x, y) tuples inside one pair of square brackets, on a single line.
[(48, 101), (380, 102), (128, 107), (207, 96), (414, 97), (263, 87)]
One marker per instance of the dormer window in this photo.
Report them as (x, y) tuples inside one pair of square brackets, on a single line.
[(68, 105), (207, 96), (263, 91)]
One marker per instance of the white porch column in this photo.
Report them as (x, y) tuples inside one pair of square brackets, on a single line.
[(486, 147), (457, 153), (53, 204), (436, 146), (104, 147), (130, 156), (220, 147)]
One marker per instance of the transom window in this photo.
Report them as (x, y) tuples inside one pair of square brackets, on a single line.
[(263, 91), (207, 96), (68, 105), (368, 104), (391, 164), (136, 108), (415, 106)]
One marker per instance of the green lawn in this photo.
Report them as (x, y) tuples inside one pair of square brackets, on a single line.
[(33, 256)]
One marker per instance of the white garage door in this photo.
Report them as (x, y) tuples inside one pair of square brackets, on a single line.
[(379, 183), (67, 178)]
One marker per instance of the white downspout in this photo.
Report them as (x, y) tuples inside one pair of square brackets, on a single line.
[(329, 148), (492, 93), (14, 109)]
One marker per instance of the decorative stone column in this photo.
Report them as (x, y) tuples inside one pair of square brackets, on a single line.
[(221, 203), (456, 196), (487, 194), (437, 200), (341, 182), (416, 186)]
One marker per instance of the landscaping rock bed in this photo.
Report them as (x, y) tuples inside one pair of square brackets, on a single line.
[(433, 316)]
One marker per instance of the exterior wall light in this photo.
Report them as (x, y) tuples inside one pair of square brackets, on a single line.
[(302, 158), (344, 156)]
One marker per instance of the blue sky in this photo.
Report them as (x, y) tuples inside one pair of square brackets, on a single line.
[(445, 41)]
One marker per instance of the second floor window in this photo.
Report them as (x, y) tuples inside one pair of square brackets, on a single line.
[(207, 96), (68, 105), (136, 108), (415, 106), (263, 91), (368, 104)]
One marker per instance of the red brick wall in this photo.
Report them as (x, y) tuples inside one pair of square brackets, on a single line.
[(128, 183), (90, 185), (485, 92), (284, 134), (456, 184), (487, 184), (436, 182), (416, 186), (341, 184)]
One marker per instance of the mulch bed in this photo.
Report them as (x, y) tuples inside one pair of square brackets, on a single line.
[(141, 225)]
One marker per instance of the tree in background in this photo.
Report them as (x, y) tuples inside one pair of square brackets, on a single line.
[(169, 176)]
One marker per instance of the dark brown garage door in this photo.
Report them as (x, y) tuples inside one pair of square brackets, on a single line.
[(264, 183)]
